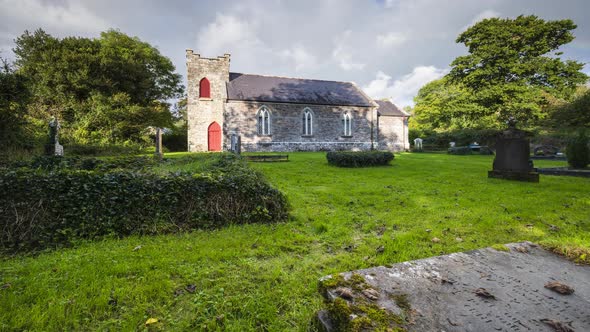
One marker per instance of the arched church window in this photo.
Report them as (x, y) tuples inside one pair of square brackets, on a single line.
[(204, 88), (263, 121), (307, 122), (346, 124)]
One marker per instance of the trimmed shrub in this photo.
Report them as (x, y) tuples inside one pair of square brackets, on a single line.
[(53, 163), (578, 152), (102, 150), (359, 159), (40, 209)]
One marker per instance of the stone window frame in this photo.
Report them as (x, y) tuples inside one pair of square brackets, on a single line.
[(264, 123), (307, 115), (346, 124)]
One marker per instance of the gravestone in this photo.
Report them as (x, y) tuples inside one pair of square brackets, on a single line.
[(512, 289), (418, 144), (53, 148), (159, 152), (236, 144), (512, 161)]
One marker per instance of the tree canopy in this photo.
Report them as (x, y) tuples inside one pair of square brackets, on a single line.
[(513, 68), (14, 96), (103, 90)]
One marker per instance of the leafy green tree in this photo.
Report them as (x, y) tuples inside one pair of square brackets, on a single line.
[(445, 106), (14, 96), (78, 79), (578, 150), (513, 64), (574, 114), (115, 119)]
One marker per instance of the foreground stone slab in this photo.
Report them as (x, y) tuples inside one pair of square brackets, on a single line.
[(516, 288)]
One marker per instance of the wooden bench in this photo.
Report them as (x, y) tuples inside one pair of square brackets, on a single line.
[(268, 158)]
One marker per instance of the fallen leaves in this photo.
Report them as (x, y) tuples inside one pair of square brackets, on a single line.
[(371, 294), (557, 325), (560, 288), (344, 293), (482, 292), (151, 321)]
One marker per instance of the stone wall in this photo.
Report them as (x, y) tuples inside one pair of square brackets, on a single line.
[(287, 127), (393, 133), (204, 111)]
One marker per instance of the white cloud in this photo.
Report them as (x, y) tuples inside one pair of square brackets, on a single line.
[(227, 32), (300, 57), (70, 15), (391, 39), (390, 3), (342, 53), (489, 13), (402, 91)]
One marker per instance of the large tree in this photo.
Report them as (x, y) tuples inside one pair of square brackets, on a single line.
[(573, 114), (514, 64), (83, 81), (444, 106), (14, 96)]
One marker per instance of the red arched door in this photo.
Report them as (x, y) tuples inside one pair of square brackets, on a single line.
[(214, 137)]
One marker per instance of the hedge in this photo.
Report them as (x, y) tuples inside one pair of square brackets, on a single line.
[(40, 209), (359, 159), (53, 163), (577, 151)]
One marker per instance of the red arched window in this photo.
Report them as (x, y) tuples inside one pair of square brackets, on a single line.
[(204, 88)]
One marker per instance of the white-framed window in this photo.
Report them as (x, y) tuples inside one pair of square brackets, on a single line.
[(346, 124), (307, 122), (263, 121)]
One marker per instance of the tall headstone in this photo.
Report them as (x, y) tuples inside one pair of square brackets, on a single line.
[(236, 144), (512, 161), (159, 152), (53, 148), (418, 144)]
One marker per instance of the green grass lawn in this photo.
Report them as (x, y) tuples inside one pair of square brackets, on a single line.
[(264, 277)]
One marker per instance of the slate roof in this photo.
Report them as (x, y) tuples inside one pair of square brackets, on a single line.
[(294, 90), (387, 108)]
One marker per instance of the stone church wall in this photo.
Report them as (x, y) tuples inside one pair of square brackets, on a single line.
[(393, 133), (287, 127)]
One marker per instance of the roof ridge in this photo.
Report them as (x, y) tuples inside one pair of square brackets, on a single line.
[(295, 78)]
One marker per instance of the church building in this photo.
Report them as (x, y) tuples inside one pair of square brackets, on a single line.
[(272, 113)]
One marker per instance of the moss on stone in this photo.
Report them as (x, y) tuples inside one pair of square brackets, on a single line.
[(357, 282), (360, 314), (340, 312), (401, 300), (500, 247)]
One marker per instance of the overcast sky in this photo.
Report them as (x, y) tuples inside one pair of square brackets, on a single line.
[(390, 48)]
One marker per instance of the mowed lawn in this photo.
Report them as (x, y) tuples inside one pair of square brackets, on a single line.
[(264, 277)]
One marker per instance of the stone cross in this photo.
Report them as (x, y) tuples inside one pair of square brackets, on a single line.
[(418, 144), (53, 148)]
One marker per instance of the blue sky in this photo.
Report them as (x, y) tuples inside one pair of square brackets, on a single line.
[(390, 48)]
